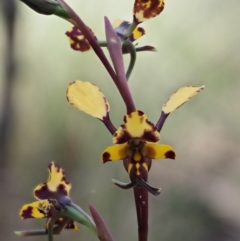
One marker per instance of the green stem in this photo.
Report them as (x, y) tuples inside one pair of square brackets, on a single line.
[(50, 224), (130, 29), (102, 43), (126, 44)]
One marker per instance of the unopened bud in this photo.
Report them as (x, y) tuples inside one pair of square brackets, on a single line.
[(47, 7)]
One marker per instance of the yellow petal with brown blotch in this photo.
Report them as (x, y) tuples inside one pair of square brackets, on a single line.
[(181, 96), (136, 125), (38, 209), (56, 186), (115, 152), (158, 151), (146, 9), (77, 40), (88, 98)]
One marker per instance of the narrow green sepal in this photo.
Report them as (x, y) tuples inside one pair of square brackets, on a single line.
[(76, 213)]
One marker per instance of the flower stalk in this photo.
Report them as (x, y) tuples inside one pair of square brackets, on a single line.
[(141, 202), (115, 50)]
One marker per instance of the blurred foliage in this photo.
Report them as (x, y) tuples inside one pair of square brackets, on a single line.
[(198, 43)]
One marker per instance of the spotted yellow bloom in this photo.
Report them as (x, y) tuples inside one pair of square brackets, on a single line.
[(56, 187), (136, 141)]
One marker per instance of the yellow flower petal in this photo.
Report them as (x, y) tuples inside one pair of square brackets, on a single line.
[(137, 33), (181, 96), (158, 151), (38, 209), (146, 9), (115, 153), (88, 98), (56, 186), (136, 126)]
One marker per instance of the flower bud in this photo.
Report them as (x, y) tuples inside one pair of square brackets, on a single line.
[(47, 7)]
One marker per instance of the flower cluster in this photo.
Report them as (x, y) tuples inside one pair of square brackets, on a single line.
[(136, 141)]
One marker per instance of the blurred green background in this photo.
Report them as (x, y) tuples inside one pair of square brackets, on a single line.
[(198, 43)]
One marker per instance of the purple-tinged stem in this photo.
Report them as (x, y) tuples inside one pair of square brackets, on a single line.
[(115, 51), (107, 122), (141, 201), (161, 121)]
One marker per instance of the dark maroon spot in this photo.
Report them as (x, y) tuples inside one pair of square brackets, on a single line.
[(123, 126), (70, 225), (43, 193), (133, 173), (125, 137), (149, 136), (65, 180), (106, 157), (151, 124), (125, 118), (61, 190), (140, 113), (139, 29), (27, 213), (170, 155)]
